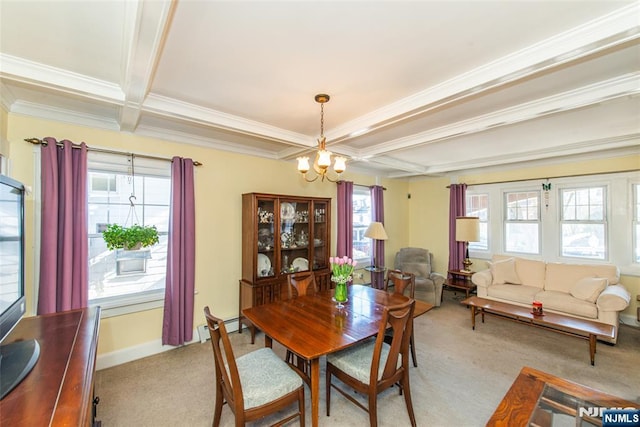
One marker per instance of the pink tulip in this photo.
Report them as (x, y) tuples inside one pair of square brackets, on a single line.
[(331, 260), (354, 263)]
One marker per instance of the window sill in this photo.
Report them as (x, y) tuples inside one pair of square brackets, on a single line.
[(127, 304)]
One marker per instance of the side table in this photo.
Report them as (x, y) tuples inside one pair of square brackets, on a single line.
[(377, 276), (460, 280)]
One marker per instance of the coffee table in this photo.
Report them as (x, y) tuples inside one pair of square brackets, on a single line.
[(537, 398), (573, 326)]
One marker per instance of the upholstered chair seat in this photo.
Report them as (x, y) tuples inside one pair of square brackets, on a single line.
[(265, 378)]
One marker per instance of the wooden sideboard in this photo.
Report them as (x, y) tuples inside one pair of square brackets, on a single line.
[(59, 389)]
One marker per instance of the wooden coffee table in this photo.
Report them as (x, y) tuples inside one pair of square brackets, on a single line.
[(581, 328), (537, 398)]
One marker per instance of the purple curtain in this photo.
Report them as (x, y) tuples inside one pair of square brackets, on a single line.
[(64, 266), (177, 325), (377, 207), (457, 207), (345, 219)]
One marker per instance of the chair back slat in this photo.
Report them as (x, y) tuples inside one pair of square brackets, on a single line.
[(398, 319), (403, 283), (303, 283), (227, 374)]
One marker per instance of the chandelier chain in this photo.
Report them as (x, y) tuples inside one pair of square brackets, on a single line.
[(321, 120)]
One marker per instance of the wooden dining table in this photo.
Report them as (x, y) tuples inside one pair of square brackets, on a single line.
[(313, 326)]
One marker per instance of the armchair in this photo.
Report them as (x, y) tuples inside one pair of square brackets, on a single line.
[(418, 261)]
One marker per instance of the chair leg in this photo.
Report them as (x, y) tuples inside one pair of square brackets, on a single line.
[(301, 406), (407, 399), (218, 409), (413, 351), (328, 392), (373, 410)]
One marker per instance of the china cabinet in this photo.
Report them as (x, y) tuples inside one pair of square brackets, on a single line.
[(281, 235)]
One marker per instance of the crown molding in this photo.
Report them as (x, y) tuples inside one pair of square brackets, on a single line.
[(63, 115), (169, 107), (43, 76)]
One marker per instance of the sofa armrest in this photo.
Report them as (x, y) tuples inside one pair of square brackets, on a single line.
[(613, 298), (482, 278), (438, 282)]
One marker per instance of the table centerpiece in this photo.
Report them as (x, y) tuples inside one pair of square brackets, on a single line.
[(341, 273)]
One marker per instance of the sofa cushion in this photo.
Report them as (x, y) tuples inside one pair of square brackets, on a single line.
[(564, 303), (418, 269), (588, 288), (561, 277), (522, 294), (504, 271)]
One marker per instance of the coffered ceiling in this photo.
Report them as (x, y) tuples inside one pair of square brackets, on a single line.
[(417, 87)]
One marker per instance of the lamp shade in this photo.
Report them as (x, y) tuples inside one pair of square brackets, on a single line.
[(376, 231), (468, 229)]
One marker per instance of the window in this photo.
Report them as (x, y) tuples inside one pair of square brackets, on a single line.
[(583, 227), (478, 205), (362, 246), (116, 196), (522, 222), (570, 219)]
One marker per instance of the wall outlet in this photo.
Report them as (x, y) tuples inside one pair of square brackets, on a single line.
[(203, 333)]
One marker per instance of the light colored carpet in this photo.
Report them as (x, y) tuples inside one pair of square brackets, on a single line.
[(461, 376)]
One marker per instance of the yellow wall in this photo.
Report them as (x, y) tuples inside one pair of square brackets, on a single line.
[(219, 185), (429, 207), (4, 144), (417, 221)]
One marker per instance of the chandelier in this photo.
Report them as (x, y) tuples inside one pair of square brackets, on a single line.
[(323, 157)]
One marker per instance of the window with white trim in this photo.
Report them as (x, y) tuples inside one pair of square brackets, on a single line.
[(126, 194), (588, 218), (478, 205), (583, 222), (522, 222), (362, 246)]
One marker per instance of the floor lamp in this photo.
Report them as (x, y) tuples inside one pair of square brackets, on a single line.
[(467, 230), (376, 231)]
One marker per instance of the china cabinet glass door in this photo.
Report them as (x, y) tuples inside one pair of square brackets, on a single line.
[(320, 235), (294, 236), (266, 263)]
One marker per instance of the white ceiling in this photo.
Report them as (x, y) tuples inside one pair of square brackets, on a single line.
[(433, 87)]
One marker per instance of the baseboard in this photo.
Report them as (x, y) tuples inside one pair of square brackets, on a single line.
[(629, 320), (129, 354)]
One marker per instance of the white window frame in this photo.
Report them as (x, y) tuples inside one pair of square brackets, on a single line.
[(562, 220), (619, 211), (138, 301), (537, 221)]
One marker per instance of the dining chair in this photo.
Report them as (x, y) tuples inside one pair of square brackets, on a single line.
[(374, 366), (403, 283), (303, 283), (255, 384)]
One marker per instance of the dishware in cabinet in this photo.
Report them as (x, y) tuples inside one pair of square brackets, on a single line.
[(281, 235)]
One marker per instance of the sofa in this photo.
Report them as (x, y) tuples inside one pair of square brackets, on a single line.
[(588, 291), (418, 261)]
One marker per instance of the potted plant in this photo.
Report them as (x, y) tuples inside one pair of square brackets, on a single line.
[(130, 238)]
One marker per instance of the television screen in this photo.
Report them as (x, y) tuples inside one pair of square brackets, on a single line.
[(11, 254), (19, 357)]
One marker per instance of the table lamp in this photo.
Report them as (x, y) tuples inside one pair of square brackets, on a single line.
[(376, 231), (467, 230)]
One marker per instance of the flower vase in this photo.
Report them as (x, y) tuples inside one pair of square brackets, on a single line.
[(340, 293)]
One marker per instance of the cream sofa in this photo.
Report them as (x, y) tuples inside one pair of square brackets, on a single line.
[(588, 291)]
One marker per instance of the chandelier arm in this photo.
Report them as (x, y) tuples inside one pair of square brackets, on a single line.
[(304, 175)]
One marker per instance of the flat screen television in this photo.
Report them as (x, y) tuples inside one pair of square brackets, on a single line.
[(19, 357)]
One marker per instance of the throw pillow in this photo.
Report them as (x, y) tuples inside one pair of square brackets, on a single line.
[(419, 269), (504, 271), (589, 288)]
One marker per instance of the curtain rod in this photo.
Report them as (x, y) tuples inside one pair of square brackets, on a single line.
[(102, 150), (550, 177), (369, 186)]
